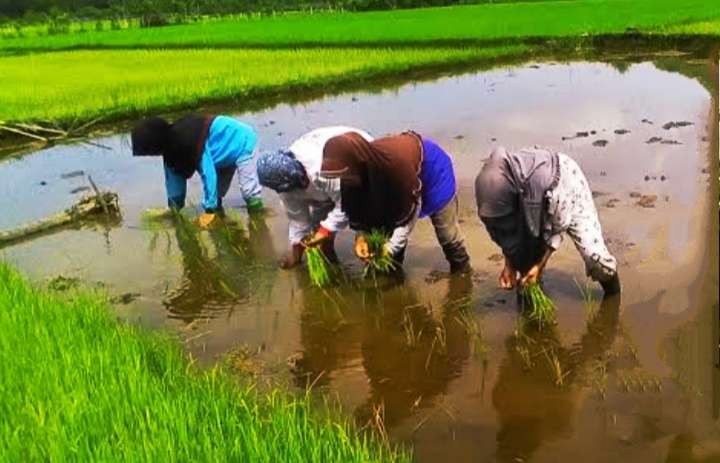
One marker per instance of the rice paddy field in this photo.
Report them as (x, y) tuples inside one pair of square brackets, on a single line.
[(426, 368), (503, 21), (87, 388), (63, 87)]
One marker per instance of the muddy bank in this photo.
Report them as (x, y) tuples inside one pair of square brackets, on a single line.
[(444, 361)]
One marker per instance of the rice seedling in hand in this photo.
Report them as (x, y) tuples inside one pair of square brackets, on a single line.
[(542, 308), (317, 266), (380, 260)]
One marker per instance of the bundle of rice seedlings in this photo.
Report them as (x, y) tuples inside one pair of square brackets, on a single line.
[(317, 266), (542, 308), (379, 262)]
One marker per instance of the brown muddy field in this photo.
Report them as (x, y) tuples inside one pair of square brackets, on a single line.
[(441, 363)]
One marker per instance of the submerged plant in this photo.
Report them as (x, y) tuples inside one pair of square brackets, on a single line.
[(542, 308), (317, 266), (380, 261)]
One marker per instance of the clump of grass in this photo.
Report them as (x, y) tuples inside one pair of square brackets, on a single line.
[(317, 266), (542, 308), (379, 261), (109, 391)]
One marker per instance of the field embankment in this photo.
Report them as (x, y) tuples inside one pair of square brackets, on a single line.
[(78, 385)]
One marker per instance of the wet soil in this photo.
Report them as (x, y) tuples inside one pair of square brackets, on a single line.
[(446, 359)]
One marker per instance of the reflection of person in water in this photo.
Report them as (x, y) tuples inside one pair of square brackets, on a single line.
[(404, 377), (531, 408), (527, 199), (217, 278), (409, 356)]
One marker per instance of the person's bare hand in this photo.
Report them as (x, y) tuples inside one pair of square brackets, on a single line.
[(532, 276), (293, 257), (508, 278)]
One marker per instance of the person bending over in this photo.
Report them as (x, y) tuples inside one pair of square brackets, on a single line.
[(312, 203), (527, 199), (389, 183), (213, 146)]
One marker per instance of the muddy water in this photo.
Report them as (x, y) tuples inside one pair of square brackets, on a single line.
[(443, 361)]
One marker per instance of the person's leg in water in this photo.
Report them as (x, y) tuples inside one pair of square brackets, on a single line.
[(250, 185), (447, 230), (586, 232)]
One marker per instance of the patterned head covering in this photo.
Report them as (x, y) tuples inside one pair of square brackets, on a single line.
[(280, 171)]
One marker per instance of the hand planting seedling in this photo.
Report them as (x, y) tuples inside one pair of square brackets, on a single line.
[(379, 259), (542, 308)]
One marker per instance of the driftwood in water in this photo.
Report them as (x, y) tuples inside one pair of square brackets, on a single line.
[(105, 203), (41, 136)]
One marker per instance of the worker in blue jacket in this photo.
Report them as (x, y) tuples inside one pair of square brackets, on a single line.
[(213, 146)]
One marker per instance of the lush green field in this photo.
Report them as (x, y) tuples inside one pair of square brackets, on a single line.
[(77, 86), (564, 18), (79, 386)]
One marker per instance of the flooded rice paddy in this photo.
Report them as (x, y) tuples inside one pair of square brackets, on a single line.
[(443, 363)]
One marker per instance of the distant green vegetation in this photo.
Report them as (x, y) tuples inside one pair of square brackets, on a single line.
[(502, 21), (79, 386), (66, 87)]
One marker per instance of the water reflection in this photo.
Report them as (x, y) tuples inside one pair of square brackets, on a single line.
[(222, 267), (409, 353), (535, 395)]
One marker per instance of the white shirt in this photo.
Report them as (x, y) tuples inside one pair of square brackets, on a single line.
[(321, 193)]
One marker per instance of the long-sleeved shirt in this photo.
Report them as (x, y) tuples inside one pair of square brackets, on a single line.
[(229, 143), (320, 192), (438, 189)]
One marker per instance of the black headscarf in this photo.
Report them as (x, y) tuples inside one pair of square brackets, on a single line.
[(181, 144)]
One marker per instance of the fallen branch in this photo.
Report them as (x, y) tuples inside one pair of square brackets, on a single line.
[(104, 202), (17, 131)]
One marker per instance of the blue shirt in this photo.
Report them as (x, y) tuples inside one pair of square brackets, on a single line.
[(438, 178), (229, 142)]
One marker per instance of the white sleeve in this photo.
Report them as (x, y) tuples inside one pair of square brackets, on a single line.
[(298, 214), (336, 219), (401, 235)]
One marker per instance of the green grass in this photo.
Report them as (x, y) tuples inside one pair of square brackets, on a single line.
[(68, 87), (79, 386), (542, 308), (562, 18), (379, 261), (317, 266)]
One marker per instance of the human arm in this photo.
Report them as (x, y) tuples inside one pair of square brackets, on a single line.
[(175, 188), (208, 174), (508, 276), (299, 226), (535, 273), (400, 236)]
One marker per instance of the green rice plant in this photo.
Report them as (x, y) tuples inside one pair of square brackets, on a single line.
[(379, 261), (542, 308), (556, 367), (110, 391), (62, 87), (590, 303), (318, 267), (459, 25)]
